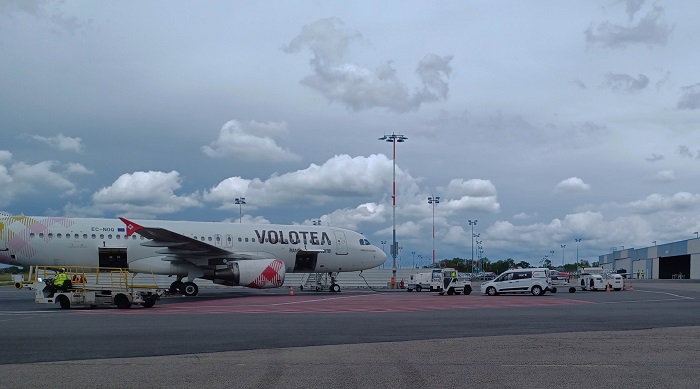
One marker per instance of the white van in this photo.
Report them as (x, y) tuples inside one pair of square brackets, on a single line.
[(536, 281)]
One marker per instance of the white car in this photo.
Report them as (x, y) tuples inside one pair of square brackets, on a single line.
[(536, 281)]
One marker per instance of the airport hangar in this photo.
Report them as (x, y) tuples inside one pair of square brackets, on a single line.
[(667, 261)]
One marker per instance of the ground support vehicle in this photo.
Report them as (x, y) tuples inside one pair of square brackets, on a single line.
[(92, 287), (320, 282), (536, 281), (596, 278), (419, 281), (447, 280)]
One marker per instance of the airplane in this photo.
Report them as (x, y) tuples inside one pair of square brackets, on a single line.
[(233, 254)]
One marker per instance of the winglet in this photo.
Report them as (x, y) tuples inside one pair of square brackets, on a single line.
[(131, 227)]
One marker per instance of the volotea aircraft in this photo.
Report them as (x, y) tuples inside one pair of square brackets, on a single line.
[(233, 254)]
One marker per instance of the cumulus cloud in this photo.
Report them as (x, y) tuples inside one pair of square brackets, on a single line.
[(340, 177), (649, 30), (664, 176), (657, 202), (625, 82), (76, 168), (21, 178), (61, 142), (251, 141), (151, 192), (471, 195), (360, 88), (690, 98), (572, 185)]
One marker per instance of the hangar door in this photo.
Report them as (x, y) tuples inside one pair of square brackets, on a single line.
[(679, 264)]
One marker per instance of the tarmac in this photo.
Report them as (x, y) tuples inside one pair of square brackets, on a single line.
[(646, 338)]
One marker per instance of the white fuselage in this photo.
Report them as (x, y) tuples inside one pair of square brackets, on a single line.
[(52, 241)]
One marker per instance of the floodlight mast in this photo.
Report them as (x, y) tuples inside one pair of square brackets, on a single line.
[(393, 138)]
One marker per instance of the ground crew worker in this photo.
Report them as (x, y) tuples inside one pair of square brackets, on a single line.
[(642, 274), (60, 279)]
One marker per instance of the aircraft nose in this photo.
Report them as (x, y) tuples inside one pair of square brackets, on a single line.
[(379, 257)]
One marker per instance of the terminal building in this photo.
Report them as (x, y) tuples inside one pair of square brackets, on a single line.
[(677, 260)]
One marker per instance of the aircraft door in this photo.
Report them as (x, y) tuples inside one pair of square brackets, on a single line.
[(341, 243), (305, 262), (3, 238), (113, 257)]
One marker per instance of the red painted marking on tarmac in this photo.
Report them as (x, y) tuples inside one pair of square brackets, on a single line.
[(366, 303)]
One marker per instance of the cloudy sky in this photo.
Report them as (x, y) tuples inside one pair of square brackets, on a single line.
[(546, 121)]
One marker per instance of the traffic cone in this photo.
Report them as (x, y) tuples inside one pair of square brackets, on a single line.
[(291, 291), (607, 287), (631, 287)]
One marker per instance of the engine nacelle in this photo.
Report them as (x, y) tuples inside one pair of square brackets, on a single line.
[(253, 273)]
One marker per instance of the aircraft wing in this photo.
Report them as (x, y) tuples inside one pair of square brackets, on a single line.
[(177, 246)]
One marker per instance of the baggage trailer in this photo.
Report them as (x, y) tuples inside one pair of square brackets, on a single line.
[(91, 287)]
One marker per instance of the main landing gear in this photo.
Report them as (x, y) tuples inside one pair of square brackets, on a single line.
[(187, 288)]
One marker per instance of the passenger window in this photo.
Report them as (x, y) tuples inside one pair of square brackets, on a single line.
[(84, 236), (246, 239), (50, 235), (76, 236), (41, 234), (109, 236), (94, 236), (209, 239), (240, 239), (59, 235), (31, 234)]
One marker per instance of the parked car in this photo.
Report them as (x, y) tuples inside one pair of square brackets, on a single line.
[(536, 281)]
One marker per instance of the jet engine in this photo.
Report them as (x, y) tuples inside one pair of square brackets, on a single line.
[(253, 273)]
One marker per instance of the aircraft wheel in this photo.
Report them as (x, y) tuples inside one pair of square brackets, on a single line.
[(335, 288), (190, 289), (175, 287)]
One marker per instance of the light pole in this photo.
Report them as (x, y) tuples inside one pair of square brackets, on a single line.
[(413, 253), (240, 201), (562, 255), (420, 259), (384, 250), (479, 258), (472, 223), (393, 138), (578, 240), (434, 200)]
